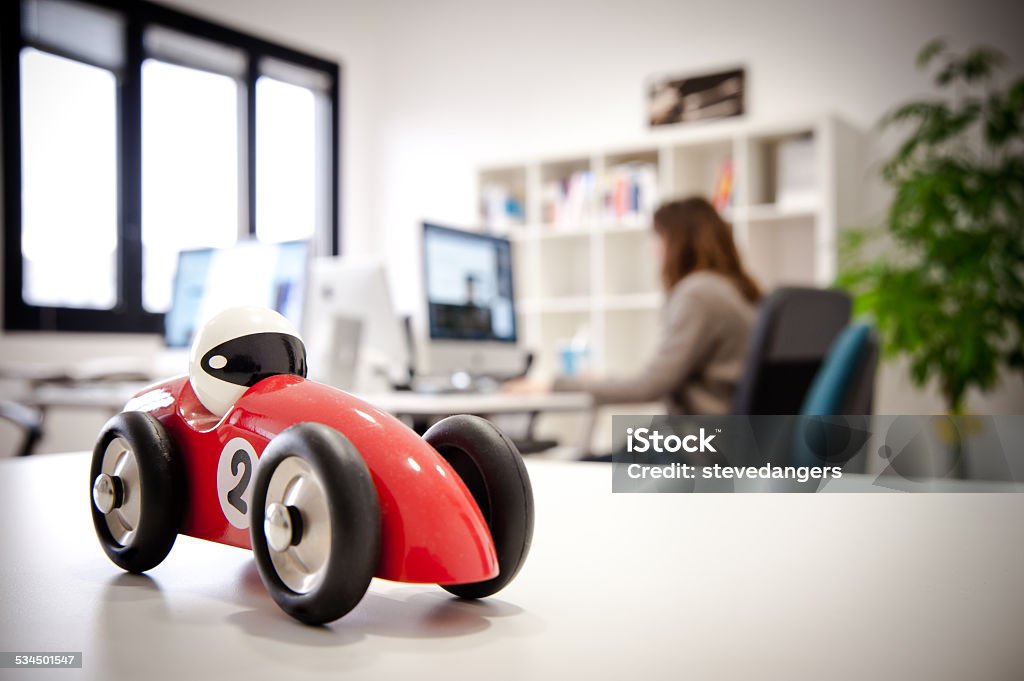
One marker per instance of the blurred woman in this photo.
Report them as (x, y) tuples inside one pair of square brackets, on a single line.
[(706, 320)]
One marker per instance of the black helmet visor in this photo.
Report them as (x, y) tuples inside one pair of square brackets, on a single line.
[(247, 360)]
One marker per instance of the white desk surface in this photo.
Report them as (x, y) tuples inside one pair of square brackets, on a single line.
[(880, 586), (416, 404), (104, 396), (112, 396)]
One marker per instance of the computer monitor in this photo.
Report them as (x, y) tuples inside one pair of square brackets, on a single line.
[(470, 302), (468, 285), (350, 302), (209, 280)]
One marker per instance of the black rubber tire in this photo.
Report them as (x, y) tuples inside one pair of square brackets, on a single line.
[(492, 469), (355, 522), (162, 491)]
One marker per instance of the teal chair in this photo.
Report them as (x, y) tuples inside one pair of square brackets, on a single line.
[(845, 382), (844, 386)]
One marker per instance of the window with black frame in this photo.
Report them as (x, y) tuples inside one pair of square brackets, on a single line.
[(132, 132)]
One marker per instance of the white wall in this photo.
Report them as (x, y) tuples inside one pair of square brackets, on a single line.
[(470, 83), (433, 89)]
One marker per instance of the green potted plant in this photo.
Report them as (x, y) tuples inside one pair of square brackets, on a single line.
[(943, 276)]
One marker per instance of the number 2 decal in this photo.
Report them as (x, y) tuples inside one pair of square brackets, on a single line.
[(240, 459), (234, 473)]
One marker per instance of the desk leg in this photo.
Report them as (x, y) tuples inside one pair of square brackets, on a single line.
[(586, 443)]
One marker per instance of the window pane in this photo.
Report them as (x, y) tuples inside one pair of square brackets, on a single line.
[(286, 161), (185, 49), (190, 169), (69, 182), (94, 34)]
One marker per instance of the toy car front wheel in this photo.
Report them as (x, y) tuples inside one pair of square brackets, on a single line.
[(136, 491), (315, 524), (492, 469)]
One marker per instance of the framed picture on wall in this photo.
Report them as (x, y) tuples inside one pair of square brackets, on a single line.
[(681, 99)]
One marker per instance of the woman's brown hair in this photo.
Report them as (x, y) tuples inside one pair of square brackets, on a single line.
[(698, 239)]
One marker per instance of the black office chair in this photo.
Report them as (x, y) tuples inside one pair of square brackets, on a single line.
[(28, 420), (795, 328)]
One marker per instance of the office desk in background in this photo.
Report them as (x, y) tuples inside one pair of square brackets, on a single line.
[(417, 404), (420, 410), (879, 586), (112, 396)]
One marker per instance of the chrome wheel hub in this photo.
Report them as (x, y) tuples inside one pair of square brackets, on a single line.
[(107, 492), (117, 491), (297, 525), (283, 526)]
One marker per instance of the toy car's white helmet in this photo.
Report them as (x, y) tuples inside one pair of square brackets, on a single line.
[(238, 348)]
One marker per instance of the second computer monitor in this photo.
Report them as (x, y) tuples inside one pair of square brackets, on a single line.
[(209, 280), (468, 285), (470, 305), (354, 337)]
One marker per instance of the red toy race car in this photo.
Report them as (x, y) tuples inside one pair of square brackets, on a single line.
[(327, 490)]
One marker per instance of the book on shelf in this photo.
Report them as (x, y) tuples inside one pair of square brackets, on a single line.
[(500, 207), (796, 178), (630, 192), (721, 199), (567, 201)]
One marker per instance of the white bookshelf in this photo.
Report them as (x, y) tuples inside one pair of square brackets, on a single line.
[(597, 272)]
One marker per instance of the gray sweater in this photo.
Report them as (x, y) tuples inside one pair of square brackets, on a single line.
[(706, 325)]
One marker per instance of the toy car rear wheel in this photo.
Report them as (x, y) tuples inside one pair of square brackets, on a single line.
[(137, 489), (492, 469), (315, 523)]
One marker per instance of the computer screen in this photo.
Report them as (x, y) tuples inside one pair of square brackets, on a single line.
[(468, 285), (209, 280)]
